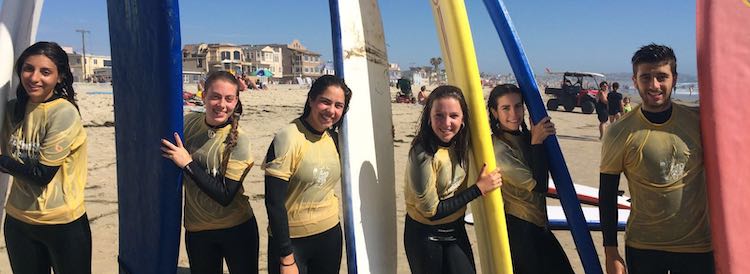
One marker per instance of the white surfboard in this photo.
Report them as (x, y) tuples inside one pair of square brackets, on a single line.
[(366, 138), (18, 23), (558, 221), (588, 195)]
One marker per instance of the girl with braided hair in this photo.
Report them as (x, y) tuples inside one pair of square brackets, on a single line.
[(44, 149), (216, 156)]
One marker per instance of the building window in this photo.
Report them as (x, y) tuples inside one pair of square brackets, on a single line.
[(306, 58), (237, 55), (108, 63), (95, 61), (200, 63), (225, 55)]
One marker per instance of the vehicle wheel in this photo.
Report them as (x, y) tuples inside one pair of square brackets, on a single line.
[(587, 107), (569, 105), (552, 104)]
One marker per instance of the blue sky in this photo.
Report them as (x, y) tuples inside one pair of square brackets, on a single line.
[(589, 35)]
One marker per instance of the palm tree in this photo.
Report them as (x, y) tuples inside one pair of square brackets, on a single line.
[(436, 61)]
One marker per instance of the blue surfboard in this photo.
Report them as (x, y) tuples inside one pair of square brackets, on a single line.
[(147, 87), (537, 111)]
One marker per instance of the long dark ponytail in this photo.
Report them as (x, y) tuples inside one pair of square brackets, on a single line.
[(64, 87), (231, 141)]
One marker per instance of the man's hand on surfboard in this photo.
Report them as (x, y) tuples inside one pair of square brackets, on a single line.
[(176, 152), (489, 181), (613, 261)]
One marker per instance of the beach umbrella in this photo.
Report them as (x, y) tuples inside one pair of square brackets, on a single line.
[(263, 73)]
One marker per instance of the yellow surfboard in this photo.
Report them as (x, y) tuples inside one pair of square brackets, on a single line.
[(461, 66)]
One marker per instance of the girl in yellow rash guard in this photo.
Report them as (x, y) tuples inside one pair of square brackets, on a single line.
[(44, 149), (302, 169), (215, 157), (522, 160), (436, 190)]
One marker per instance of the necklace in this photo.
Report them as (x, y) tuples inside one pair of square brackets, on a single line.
[(211, 133)]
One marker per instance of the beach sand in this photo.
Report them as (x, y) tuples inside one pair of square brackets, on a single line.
[(265, 112)]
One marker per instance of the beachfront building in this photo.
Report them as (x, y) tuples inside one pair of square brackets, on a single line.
[(268, 57), (93, 62), (194, 57), (227, 57), (303, 63), (328, 68), (102, 75), (394, 73), (419, 76), (296, 62)]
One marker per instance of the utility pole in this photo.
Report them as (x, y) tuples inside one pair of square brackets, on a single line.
[(83, 42)]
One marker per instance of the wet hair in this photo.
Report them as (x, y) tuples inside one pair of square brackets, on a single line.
[(496, 93), (615, 85), (319, 86), (64, 87), (602, 83), (654, 54), (231, 141), (426, 136)]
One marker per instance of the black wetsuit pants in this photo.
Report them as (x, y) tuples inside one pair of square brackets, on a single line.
[(238, 245), (315, 254), (35, 249), (644, 261), (534, 249), (443, 249)]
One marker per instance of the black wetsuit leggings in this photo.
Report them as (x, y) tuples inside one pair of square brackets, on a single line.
[(35, 249), (535, 249), (644, 261), (442, 249), (238, 245), (316, 254)]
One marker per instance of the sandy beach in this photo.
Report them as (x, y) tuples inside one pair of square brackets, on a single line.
[(265, 112)]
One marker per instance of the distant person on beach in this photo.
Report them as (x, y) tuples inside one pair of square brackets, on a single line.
[(659, 150), (215, 158), (522, 159), (44, 148), (601, 105), (626, 107), (303, 169), (422, 95), (614, 103), (404, 85), (437, 190)]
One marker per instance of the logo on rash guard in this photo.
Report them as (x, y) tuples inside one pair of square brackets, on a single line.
[(320, 175), (24, 150)]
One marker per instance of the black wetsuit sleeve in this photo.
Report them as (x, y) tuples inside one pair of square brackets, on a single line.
[(278, 221), (219, 188), (608, 185), (451, 205), (36, 173), (539, 168)]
